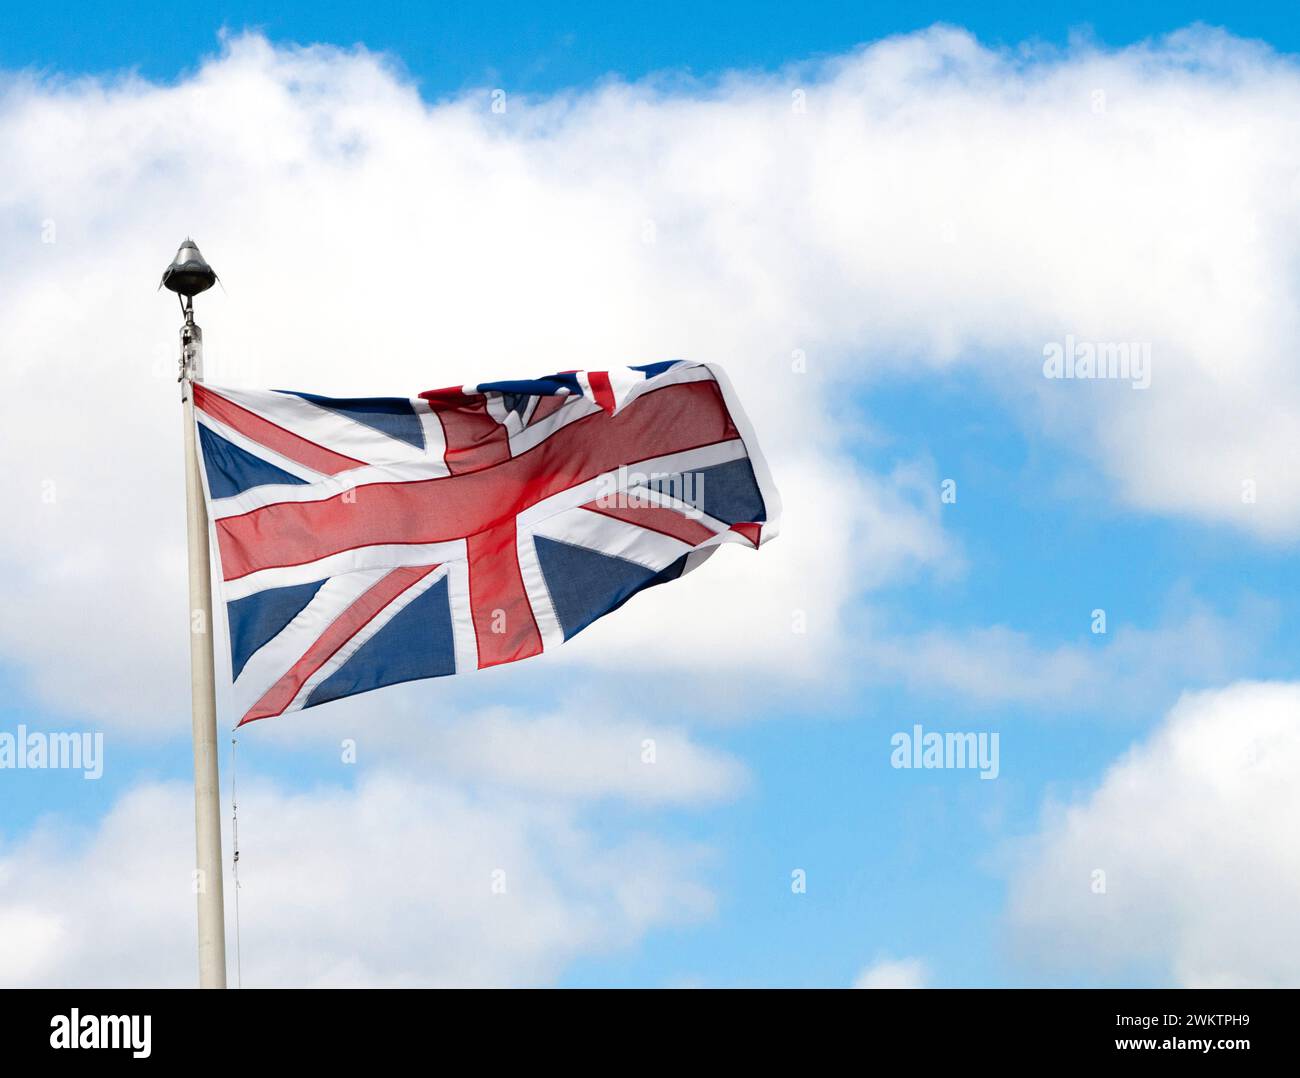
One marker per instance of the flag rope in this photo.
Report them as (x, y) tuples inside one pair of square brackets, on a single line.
[(234, 822)]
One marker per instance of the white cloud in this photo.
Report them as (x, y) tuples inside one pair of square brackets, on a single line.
[(937, 203), (593, 750), (1192, 830), (1127, 669), (388, 884), (456, 246), (589, 757), (893, 973)]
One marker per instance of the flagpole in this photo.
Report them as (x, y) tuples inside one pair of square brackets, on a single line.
[(188, 275)]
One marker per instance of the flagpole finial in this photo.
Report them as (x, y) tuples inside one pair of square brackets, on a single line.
[(189, 274)]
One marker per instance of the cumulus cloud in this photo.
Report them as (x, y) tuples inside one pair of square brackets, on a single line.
[(1182, 863), (587, 752), (392, 883), (893, 973), (922, 203), (456, 245)]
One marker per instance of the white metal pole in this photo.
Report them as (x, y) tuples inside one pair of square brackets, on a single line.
[(207, 796)]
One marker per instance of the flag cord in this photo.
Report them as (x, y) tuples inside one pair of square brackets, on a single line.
[(234, 822)]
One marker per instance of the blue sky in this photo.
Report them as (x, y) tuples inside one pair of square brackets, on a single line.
[(542, 48), (1067, 502)]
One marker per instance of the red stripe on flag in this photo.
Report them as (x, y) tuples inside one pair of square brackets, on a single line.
[(355, 618), (503, 617), (752, 532), (602, 390), (269, 434), (674, 419), (450, 397), (548, 406), (474, 439), (656, 518)]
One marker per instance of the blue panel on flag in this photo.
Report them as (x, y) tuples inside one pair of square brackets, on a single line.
[(232, 470), (727, 492), (586, 585), (416, 643), (394, 416), (256, 618), (652, 369), (533, 387), (516, 402), (566, 382)]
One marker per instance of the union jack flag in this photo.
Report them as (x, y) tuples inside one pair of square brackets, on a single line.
[(363, 542)]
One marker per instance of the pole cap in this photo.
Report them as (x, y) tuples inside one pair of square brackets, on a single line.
[(189, 274)]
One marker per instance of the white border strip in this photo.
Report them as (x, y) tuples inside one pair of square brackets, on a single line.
[(771, 527)]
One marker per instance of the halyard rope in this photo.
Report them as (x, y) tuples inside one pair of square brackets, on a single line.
[(234, 821)]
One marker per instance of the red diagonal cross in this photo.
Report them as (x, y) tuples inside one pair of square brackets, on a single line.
[(479, 501)]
